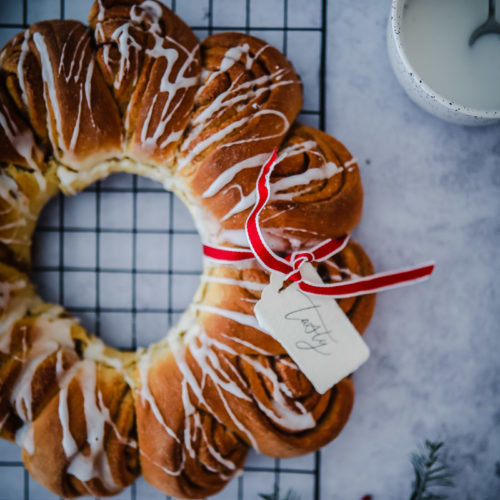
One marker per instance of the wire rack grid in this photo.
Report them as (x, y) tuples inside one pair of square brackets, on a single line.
[(120, 255)]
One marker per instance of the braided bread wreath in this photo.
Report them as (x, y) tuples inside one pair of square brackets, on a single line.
[(137, 93)]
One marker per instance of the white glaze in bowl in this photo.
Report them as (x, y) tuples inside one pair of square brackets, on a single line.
[(418, 90)]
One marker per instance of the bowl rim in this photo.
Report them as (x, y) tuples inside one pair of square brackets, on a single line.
[(455, 107)]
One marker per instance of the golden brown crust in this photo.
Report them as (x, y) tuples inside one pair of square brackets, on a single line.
[(42, 385), (222, 293), (277, 422), (137, 93), (248, 99), (17, 143), (316, 191), (52, 76), (329, 206), (22, 197), (48, 461), (150, 59), (25, 85), (194, 380), (263, 364), (109, 21), (195, 465)]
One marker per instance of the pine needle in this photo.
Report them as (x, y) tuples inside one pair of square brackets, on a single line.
[(429, 473)]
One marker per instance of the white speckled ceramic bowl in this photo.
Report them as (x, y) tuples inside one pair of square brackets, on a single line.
[(416, 87)]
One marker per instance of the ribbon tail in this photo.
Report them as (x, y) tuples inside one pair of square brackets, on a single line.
[(370, 284)]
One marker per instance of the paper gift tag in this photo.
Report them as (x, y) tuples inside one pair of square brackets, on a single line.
[(313, 329)]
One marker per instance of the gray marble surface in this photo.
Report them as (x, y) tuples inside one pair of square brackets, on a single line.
[(432, 191)]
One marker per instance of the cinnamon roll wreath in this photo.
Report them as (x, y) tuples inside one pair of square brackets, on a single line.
[(135, 92)]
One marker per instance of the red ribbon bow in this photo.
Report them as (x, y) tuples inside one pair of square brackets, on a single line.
[(290, 265)]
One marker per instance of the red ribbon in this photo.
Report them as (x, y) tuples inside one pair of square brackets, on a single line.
[(290, 266), (226, 254)]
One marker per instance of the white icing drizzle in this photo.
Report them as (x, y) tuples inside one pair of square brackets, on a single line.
[(21, 397), (249, 285), (18, 223), (49, 89), (289, 414), (211, 368), (72, 65), (95, 463), (281, 413), (127, 45), (192, 417), (249, 300), (95, 351), (280, 187), (326, 171), (170, 472), (68, 443), (310, 175), (202, 145), (15, 312), (285, 127), (20, 66), (238, 95), (6, 289), (47, 337), (53, 335), (246, 201), (228, 174), (235, 236), (246, 344), (145, 394), (182, 83), (232, 97), (233, 55), (22, 141), (224, 461), (59, 364), (280, 213), (243, 319), (192, 423), (26, 439), (288, 363), (76, 130), (147, 17)]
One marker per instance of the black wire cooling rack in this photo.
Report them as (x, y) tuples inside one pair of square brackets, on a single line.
[(119, 255)]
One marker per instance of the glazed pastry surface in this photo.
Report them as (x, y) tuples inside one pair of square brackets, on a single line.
[(136, 92)]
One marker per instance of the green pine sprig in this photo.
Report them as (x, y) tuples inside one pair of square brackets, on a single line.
[(290, 495), (430, 473)]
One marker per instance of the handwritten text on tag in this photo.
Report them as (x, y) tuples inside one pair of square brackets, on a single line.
[(314, 330)]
